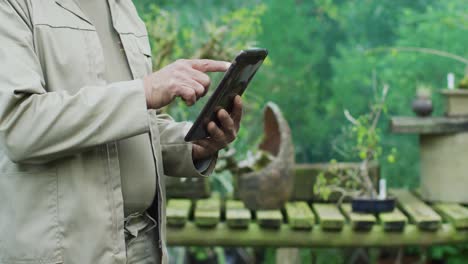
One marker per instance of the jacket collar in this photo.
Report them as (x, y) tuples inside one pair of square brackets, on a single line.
[(72, 7)]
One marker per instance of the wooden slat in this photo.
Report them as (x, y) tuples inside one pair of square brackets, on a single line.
[(454, 213), (419, 213), (329, 216), (429, 125), (177, 212), (393, 221), (359, 221), (237, 215), (300, 215), (255, 236), (269, 218), (207, 212)]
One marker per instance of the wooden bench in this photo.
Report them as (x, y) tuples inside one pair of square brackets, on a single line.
[(212, 222)]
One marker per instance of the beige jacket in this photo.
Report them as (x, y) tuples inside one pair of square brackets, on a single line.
[(60, 192)]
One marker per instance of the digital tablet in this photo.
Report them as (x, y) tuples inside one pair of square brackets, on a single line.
[(235, 81)]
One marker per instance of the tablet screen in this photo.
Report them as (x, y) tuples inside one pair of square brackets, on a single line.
[(238, 83), (234, 82)]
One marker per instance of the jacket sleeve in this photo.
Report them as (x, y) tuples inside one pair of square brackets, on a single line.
[(37, 126), (176, 153)]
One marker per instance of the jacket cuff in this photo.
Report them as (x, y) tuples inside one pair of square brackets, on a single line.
[(203, 165)]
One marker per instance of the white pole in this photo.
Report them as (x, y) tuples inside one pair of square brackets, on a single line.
[(382, 189), (450, 81)]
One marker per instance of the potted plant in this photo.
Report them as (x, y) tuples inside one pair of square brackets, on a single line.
[(307, 174), (422, 104), (357, 184)]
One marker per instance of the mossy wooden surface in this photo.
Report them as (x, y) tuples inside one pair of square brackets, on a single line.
[(419, 212), (237, 215), (419, 224), (394, 221), (329, 216), (269, 218), (177, 212), (207, 212), (358, 221), (456, 214), (284, 236), (300, 216)]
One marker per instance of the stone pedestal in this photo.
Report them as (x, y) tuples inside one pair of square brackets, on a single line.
[(456, 102), (444, 167), (444, 155)]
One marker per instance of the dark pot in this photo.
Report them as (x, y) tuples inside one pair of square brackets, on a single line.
[(422, 107), (372, 205)]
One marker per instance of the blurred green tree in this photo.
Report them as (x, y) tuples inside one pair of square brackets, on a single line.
[(439, 25), (323, 59)]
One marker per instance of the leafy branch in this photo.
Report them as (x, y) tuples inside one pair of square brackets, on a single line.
[(436, 52), (364, 132)]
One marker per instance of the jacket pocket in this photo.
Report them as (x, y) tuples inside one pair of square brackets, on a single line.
[(145, 50), (29, 228), (67, 46), (138, 53)]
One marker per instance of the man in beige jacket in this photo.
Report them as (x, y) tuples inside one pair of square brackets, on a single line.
[(82, 155)]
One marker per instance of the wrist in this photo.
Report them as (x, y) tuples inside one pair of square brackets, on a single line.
[(200, 153), (148, 93)]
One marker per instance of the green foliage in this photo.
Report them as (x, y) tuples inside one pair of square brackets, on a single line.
[(451, 254), (205, 254), (221, 182), (173, 36), (356, 70), (321, 186), (325, 56), (217, 33), (255, 162), (362, 139), (463, 83), (328, 256)]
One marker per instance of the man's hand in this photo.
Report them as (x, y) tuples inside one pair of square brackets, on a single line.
[(183, 78), (220, 137)]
